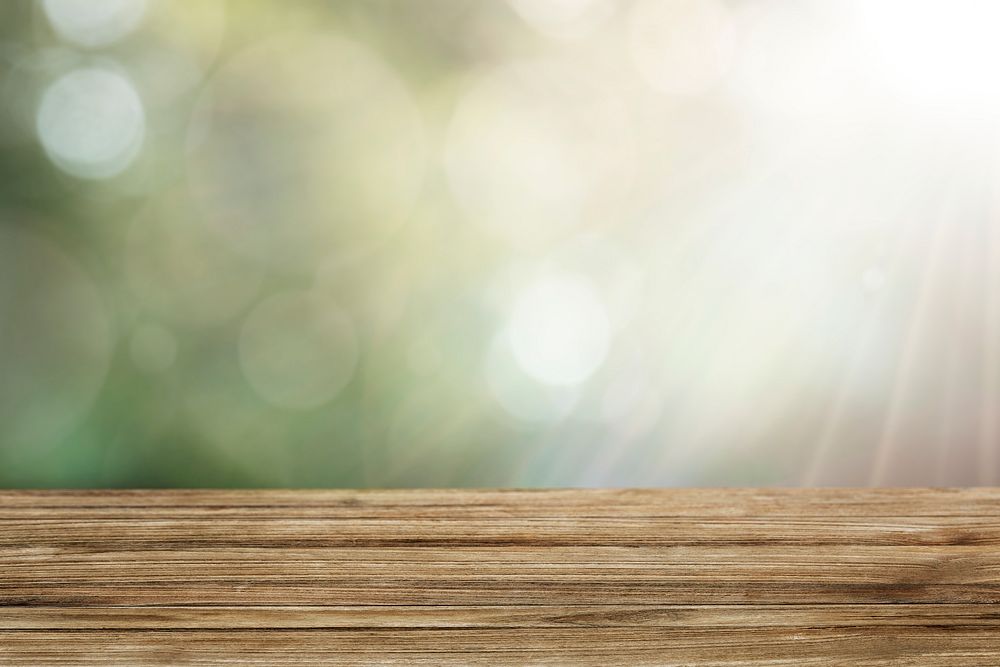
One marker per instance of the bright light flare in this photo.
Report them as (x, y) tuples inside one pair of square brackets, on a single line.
[(939, 53)]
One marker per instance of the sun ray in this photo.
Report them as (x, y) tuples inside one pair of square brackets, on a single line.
[(933, 265), (960, 314), (989, 416)]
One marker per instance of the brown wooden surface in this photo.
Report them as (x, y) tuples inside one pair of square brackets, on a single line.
[(630, 577)]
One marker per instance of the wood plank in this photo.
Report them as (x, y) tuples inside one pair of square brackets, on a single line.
[(163, 617), (148, 533), (481, 575), (453, 577), (963, 646), (502, 503)]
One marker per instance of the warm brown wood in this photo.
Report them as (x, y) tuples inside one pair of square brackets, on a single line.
[(454, 577)]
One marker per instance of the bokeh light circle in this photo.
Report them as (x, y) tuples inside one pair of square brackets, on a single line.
[(298, 350), (182, 272), (559, 330), (681, 47), (55, 343), (614, 274), (91, 122), (181, 41), (94, 22), (306, 145), (564, 19), (519, 394), (153, 348), (534, 150)]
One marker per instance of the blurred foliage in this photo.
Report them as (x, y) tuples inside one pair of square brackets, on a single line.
[(123, 410), (534, 242)]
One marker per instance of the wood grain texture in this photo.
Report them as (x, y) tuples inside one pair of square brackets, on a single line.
[(467, 577)]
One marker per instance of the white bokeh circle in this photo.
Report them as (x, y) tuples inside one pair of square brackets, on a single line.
[(559, 330), (94, 22), (91, 122)]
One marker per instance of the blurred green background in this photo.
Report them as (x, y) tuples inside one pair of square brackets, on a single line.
[(536, 242)]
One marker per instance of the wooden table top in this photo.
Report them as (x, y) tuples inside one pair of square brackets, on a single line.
[(464, 577)]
